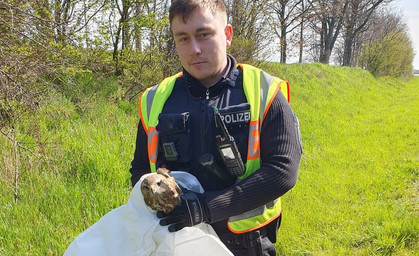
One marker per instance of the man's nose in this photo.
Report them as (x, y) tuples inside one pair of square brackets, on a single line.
[(195, 47)]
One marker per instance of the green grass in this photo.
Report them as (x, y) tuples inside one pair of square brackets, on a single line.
[(357, 192), (76, 171)]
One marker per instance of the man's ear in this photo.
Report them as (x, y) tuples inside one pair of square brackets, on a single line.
[(228, 31)]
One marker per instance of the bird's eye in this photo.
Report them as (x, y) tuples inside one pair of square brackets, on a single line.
[(159, 183)]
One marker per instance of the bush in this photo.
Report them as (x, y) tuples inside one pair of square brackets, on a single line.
[(391, 56)]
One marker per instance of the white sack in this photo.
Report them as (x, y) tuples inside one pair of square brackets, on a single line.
[(134, 229)]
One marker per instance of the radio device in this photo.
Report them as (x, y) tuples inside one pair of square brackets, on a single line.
[(228, 150)]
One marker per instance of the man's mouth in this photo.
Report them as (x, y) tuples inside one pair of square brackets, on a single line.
[(197, 63)]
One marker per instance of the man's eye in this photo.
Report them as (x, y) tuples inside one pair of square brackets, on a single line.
[(203, 35)]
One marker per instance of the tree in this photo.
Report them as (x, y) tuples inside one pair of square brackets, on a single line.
[(304, 10), (121, 38), (63, 11), (389, 51), (356, 19), (328, 21), (250, 26), (36, 46), (290, 15), (24, 36)]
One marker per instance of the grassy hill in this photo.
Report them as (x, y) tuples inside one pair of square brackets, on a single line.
[(357, 190)]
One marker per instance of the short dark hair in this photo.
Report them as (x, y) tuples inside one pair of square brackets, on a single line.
[(185, 8)]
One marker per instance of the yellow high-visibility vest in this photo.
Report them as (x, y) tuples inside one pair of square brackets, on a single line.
[(260, 89)]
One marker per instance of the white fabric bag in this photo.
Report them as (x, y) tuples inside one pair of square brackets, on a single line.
[(134, 229)]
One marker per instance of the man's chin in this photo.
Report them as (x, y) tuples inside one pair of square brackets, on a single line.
[(200, 76)]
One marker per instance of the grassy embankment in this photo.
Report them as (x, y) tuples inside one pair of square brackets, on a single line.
[(357, 191)]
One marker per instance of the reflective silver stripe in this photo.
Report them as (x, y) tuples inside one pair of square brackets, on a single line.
[(150, 97), (252, 213), (265, 82), (151, 133)]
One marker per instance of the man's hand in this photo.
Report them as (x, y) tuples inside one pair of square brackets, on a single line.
[(191, 211)]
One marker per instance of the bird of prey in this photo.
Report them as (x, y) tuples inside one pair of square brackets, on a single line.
[(160, 191)]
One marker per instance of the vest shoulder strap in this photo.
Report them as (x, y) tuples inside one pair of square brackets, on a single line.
[(152, 101)]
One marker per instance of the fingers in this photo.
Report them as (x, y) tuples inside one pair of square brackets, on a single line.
[(176, 227), (161, 214), (167, 221)]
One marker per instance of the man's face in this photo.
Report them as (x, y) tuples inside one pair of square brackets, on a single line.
[(201, 44)]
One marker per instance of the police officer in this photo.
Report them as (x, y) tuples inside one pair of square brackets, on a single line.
[(228, 124)]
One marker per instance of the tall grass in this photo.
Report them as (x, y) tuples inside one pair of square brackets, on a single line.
[(75, 172), (357, 190)]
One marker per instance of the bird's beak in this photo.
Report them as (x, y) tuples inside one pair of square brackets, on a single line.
[(151, 189)]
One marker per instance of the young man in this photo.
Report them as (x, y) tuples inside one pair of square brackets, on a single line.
[(180, 129)]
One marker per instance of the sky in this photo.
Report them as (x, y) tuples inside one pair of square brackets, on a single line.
[(410, 9)]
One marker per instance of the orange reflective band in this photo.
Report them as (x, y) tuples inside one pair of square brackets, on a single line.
[(253, 147), (286, 91), (152, 143), (255, 135)]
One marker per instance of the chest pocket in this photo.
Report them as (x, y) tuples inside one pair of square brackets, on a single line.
[(237, 119), (174, 137)]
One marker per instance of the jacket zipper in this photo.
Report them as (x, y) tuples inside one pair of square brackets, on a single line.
[(203, 121), (207, 94)]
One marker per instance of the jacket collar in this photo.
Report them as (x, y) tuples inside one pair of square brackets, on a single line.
[(198, 90)]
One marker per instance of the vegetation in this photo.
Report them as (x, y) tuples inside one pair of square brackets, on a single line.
[(71, 73), (44, 43), (66, 165), (357, 191), (72, 161), (391, 56)]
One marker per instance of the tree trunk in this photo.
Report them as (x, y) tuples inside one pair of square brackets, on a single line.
[(326, 41), (358, 17), (347, 51), (16, 156), (137, 29), (122, 35), (301, 42), (115, 55), (283, 42), (283, 35), (331, 19)]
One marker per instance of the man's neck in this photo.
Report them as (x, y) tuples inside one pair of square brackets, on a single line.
[(221, 75)]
